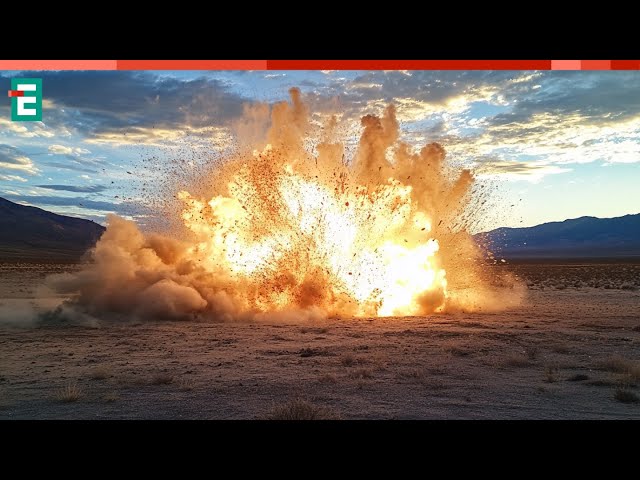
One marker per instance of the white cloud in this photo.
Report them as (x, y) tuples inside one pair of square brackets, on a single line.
[(12, 178), (216, 137), (60, 150), (26, 129), (532, 172), (13, 159), (64, 150)]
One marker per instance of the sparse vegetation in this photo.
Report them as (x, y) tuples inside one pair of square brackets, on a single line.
[(457, 351), (100, 373), (625, 395), (162, 379), (516, 361), (394, 368), (300, 409), (380, 360), (350, 360), (618, 364), (111, 397), (71, 392), (550, 372), (185, 384), (532, 352), (361, 373), (328, 379), (314, 352)]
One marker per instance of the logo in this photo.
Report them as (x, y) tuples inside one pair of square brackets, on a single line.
[(26, 99)]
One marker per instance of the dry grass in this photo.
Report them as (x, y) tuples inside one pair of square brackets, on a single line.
[(625, 395), (532, 352), (618, 364), (71, 392), (300, 409), (458, 351), (361, 373), (100, 373), (550, 372), (186, 384), (349, 360), (518, 361), (380, 361), (162, 379), (328, 379), (111, 397)]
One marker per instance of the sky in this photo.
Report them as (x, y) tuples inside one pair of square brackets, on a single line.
[(552, 144)]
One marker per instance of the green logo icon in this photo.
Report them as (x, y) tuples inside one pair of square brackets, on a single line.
[(26, 99)]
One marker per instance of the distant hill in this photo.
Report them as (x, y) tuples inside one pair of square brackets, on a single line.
[(30, 233), (584, 237)]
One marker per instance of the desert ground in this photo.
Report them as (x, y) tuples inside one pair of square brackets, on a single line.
[(572, 351)]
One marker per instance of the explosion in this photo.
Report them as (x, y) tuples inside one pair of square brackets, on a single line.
[(295, 225)]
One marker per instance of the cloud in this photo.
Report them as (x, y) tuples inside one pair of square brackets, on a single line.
[(75, 166), (547, 118), (216, 136), (13, 159), (75, 188), (64, 150), (103, 103), (515, 170), (566, 138), (12, 178), (24, 129), (557, 118), (83, 202), (596, 97)]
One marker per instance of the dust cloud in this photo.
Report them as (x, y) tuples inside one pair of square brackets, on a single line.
[(294, 226)]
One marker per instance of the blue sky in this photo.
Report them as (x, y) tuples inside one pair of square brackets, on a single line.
[(551, 145)]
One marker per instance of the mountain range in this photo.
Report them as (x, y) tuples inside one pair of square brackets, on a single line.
[(30, 233), (584, 237)]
